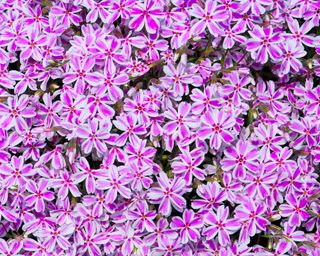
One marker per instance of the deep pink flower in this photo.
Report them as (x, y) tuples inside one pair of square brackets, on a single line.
[(239, 159), (236, 88), (10, 35), (98, 105), (187, 166), (169, 247), (120, 8), (282, 248), (174, 34), (32, 46), (295, 210), (50, 110), (25, 81), (131, 129), (280, 161), (11, 247), (161, 233), (98, 203), (67, 13), (292, 235), (188, 226), (291, 53), (219, 224), (211, 196), (142, 218), (259, 183), (209, 17), (88, 216), (276, 190), (99, 9), (264, 42), (256, 7), (268, 139), (146, 14), (141, 176), (245, 20), (35, 246), (314, 101), (216, 126), (81, 73), (16, 172), (34, 17), (39, 194), (129, 238), (63, 214), (56, 236), (55, 156), (84, 172), (8, 214), (274, 98), (115, 183), (293, 182), (71, 107), (3, 56), (299, 33), (139, 107), (51, 51), (111, 84), (92, 240), (174, 15), (95, 135), (203, 101), (54, 26), (15, 113), (151, 46), (253, 214), (169, 192), (307, 130), (179, 78), (180, 121), (232, 36), (140, 153), (109, 51), (5, 77), (65, 184)]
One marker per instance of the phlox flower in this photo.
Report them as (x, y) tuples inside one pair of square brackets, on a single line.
[(239, 159), (216, 126), (180, 121), (146, 14), (220, 225), (169, 192), (188, 226), (264, 43)]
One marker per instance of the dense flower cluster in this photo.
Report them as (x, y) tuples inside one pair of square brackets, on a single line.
[(159, 127)]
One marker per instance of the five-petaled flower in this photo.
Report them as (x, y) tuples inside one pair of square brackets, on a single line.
[(216, 126), (180, 121), (39, 194), (146, 14), (220, 225), (81, 73), (209, 17), (295, 210), (169, 192), (239, 159), (15, 113), (188, 226), (264, 42), (115, 183)]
